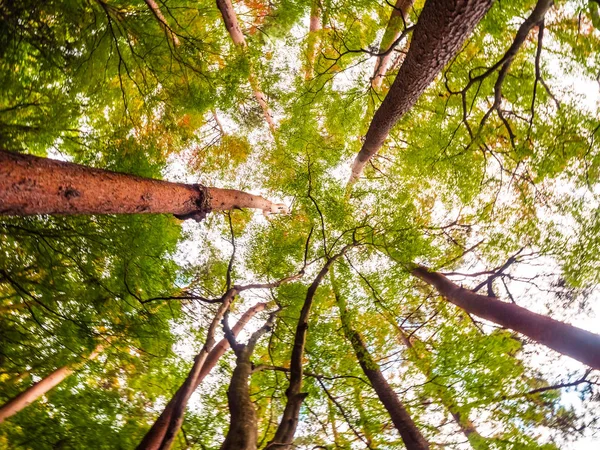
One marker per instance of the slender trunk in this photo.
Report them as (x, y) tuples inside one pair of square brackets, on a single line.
[(40, 388), (410, 434), (394, 27), (315, 25), (243, 426), (235, 32), (443, 393), (163, 22), (441, 30), (168, 423), (564, 338), (284, 435), (30, 185)]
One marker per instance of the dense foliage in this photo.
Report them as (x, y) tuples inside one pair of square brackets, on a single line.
[(492, 178)]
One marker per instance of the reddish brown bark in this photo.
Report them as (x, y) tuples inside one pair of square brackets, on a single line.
[(243, 426), (31, 185), (441, 30), (284, 435), (163, 22), (410, 434), (315, 25), (153, 440), (40, 388), (392, 32), (564, 338), (235, 32)]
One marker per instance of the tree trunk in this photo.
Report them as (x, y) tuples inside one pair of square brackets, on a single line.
[(315, 25), (201, 368), (394, 27), (30, 185), (564, 338), (441, 30), (410, 434), (234, 30), (40, 388), (243, 426), (162, 21), (284, 435)]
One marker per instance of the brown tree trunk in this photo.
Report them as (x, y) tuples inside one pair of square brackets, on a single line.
[(162, 21), (564, 338), (243, 426), (284, 435), (315, 25), (153, 439), (394, 27), (40, 388), (235, 32), (441, 30), (31, 185), (410, 434)]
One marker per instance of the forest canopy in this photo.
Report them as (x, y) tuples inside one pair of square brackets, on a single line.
[(300, 224)]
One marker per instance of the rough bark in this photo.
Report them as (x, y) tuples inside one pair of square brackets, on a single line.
[(315, 25), (564, 338), (153, 438), (393, 29), (243, 426), (40, 388), (31, 185), (162, 21), (410, 434), (284, 435), (439, 34), (235, 32)]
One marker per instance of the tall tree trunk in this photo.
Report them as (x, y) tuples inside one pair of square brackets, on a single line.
[(31, 185), (394, 27), (153, 6), (443, 394), (243, 426), (315, 25), (284, 435), (564, 338), (201, 368), (441, 30), (40, 388), (235, 32), (410, 434)]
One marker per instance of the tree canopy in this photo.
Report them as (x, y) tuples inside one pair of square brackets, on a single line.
[(425, 269)]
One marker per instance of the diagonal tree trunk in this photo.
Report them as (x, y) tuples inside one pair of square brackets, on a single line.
[(235, 32), (153, 6), (30, 185), (394, 27), (410, 434), (153, 438), (42, 387), (243, 426), (440, 32), (564, 338), (284, 435), (315, 25)]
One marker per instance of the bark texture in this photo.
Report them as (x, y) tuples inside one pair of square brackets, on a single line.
[(440, 32), (410, 434), (235, 32), (40, 388), (314, 27), (295, 397), (153, 6), (31, 185), (243, 426), (394, 27), (201, 368), (564, 338)]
